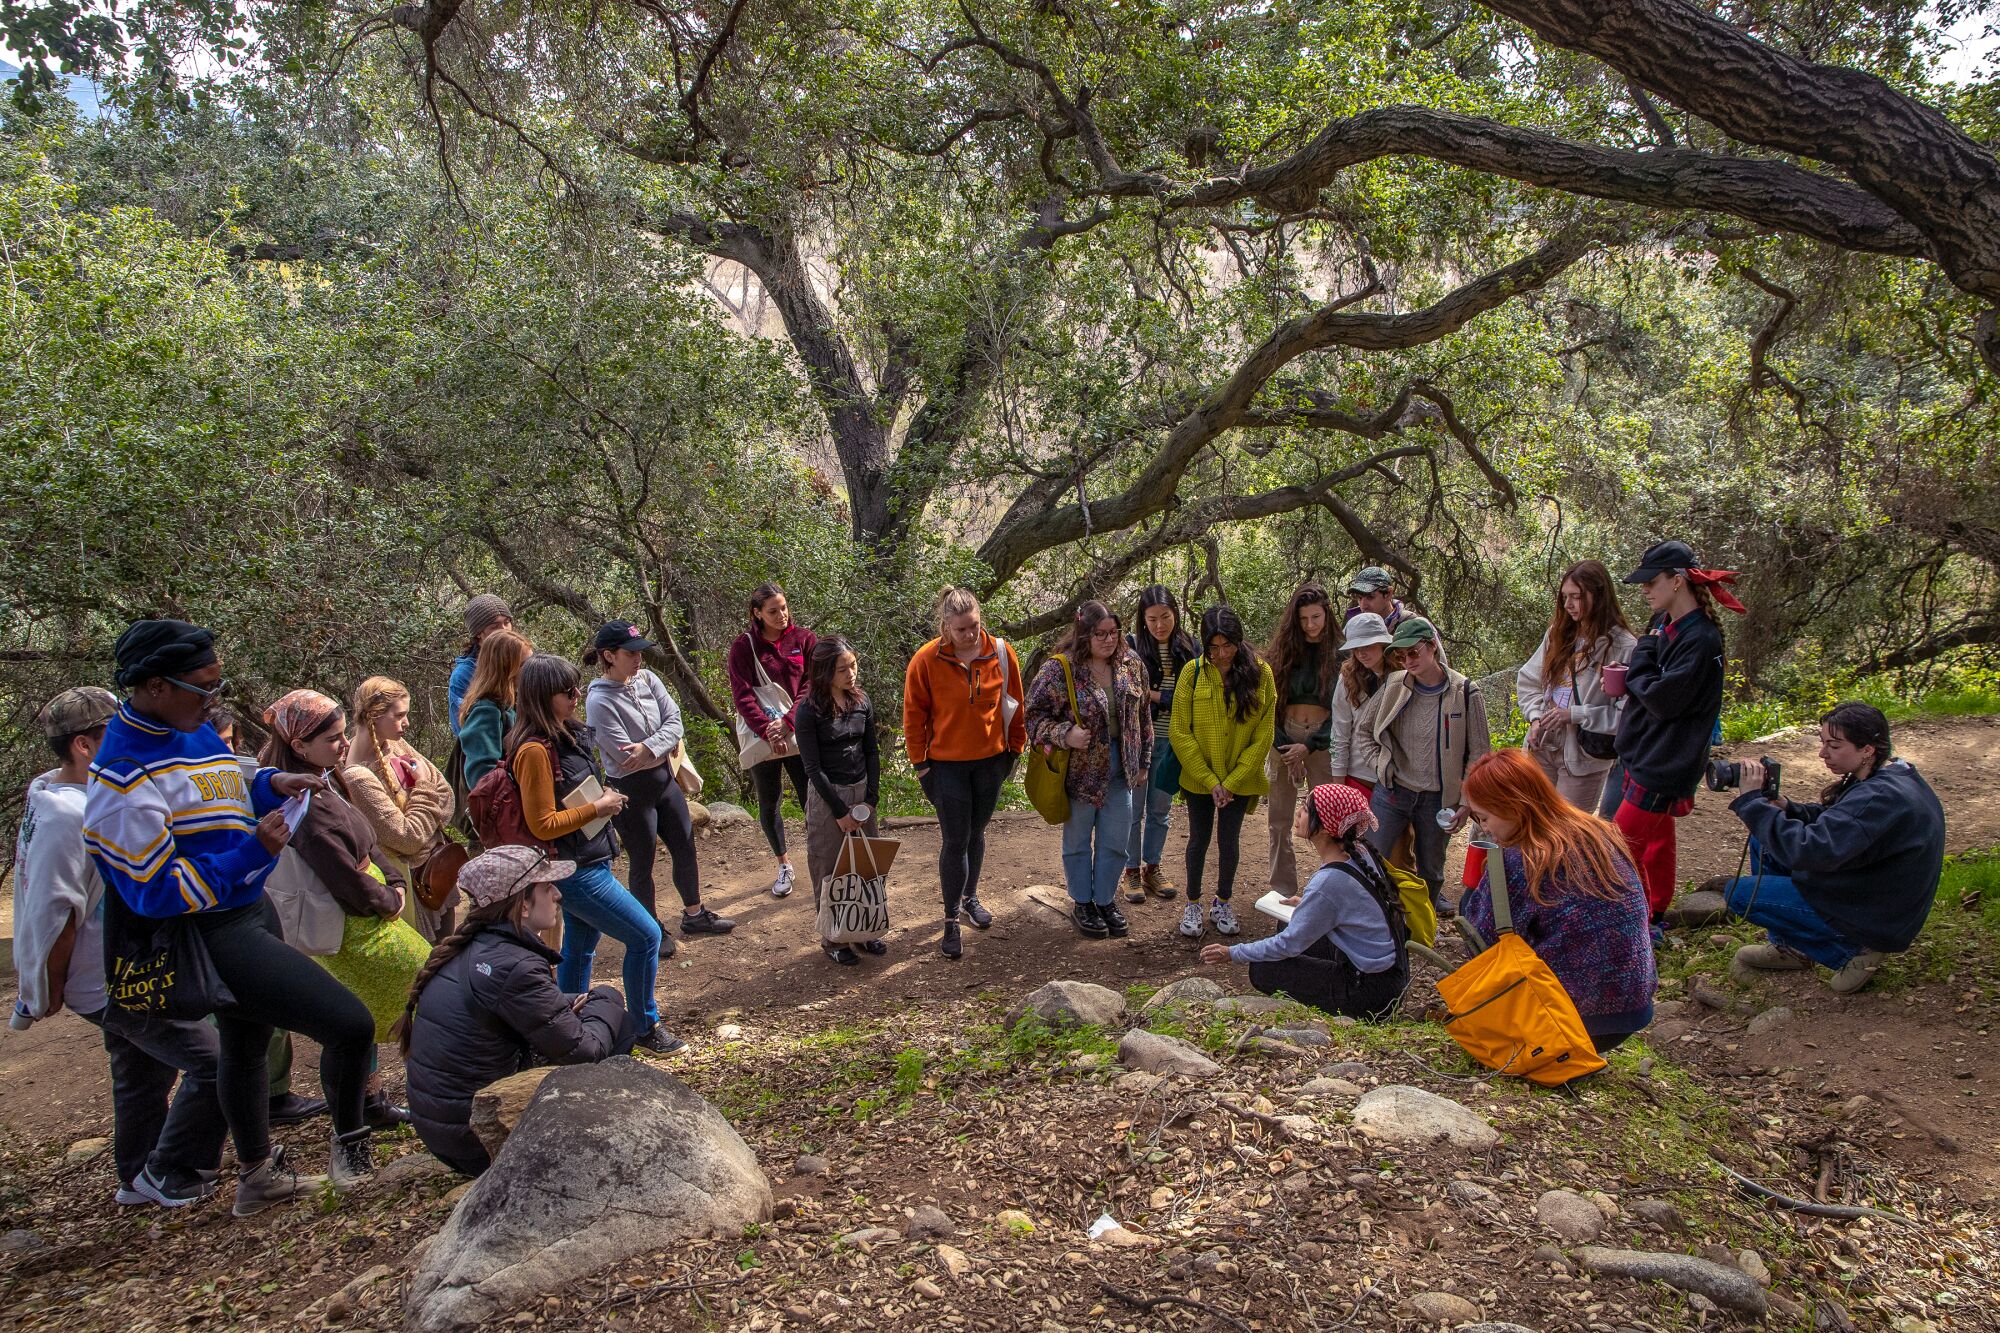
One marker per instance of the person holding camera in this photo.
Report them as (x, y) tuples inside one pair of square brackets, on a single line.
[(1673, 687), (1849, 879)]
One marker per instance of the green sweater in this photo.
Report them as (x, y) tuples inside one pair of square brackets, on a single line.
[(1215, 747), (480, 739)]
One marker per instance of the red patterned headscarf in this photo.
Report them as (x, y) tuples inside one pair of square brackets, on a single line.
[(1342, 808), (300, 714)]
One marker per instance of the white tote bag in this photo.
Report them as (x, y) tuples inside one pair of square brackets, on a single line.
[(751, 747), (854, 908)]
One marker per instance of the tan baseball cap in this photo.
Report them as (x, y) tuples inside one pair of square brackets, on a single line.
[(75, 711)]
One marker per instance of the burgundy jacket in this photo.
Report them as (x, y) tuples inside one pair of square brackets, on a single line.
[(785, 661)]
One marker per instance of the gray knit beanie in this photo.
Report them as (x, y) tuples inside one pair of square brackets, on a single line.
[(482, 611)]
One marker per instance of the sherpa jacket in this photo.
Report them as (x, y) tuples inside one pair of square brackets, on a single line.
[(1462, 732), (1590, 708)]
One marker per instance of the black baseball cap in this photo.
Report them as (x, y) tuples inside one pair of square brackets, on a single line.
[(1664, 558), (613, 634)]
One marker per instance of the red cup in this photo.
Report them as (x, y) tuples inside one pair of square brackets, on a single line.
[(1614, 680), (1475, 865)]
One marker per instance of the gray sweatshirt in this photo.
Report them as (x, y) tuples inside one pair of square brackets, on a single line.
[(639, 710)]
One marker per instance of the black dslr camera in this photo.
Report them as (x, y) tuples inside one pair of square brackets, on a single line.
[(1727, 774)]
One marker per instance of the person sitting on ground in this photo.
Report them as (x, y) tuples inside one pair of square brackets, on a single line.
[(486, 1005), (166, 1144), (1345, 948), (1845, 881), (484, 615), (1574, 892)]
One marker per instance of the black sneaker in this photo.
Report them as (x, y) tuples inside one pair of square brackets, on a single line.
[(1088, 920), (1114, 920), (951, 948), (291, 1109), (378, 1112), (668, 946), (659, 1041), (974, 911), (841, 954), (173, 1190), (705, 922), (873, 948)]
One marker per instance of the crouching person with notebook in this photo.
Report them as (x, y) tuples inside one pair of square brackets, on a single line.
[(1345, 948)]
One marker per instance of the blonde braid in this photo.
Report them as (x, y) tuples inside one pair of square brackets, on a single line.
[(372, 698)]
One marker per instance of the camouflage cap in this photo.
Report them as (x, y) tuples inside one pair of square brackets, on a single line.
[(1371, 580), (75, 711), (502, 872)]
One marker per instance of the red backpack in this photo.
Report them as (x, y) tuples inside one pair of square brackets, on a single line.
[(495, 806)]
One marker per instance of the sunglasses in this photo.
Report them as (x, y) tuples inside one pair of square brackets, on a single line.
[(221, 687)]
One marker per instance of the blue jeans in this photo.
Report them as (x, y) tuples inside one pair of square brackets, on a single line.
[(1396, 810), (1784, 913), (1152, 812), (595, 904), (1092, 873)]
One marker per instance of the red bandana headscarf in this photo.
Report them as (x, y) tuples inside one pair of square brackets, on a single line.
[(1341, 808)]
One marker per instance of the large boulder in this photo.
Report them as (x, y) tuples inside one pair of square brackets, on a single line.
[(1397, 1113), (608, 1161), (1069, 1003)]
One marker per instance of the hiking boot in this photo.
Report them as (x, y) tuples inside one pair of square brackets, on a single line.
[(782, 887), (1772, 958), (705, 922), (378, 1112), (659, 1041), (1191, 924), (950, 946), (1155, 882), (841, 954), (1857, 972), (1135, 890), (1087, 920), (974, 913), (352, 1161), (1114, 921), (174, 1190), (873, 948), (272, 1182), (291, 1109), (1224, 917), (668, 948)]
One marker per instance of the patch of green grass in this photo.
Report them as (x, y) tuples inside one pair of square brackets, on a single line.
[(1960, 941)]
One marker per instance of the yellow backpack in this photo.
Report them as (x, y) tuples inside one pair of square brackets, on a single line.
[(1419, 914), (1508, 1010)]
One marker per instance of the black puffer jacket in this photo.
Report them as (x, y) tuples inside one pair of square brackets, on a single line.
[(492, 1011)]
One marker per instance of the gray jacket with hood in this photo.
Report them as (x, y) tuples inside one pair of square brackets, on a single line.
[(639, 710)]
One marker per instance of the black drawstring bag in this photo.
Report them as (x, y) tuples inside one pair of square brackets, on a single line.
[(158, 967)]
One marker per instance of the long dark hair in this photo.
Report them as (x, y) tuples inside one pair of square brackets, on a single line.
[(543, 677), (1858, 724), (1289, 644), (761, 594), (1179, 640), (1241, 681), (819, 676), (1075, 642), (1567, 637), (476, 920)]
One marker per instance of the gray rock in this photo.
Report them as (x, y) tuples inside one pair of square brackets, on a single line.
[(928, 1222), (1831, 1317), (1153, 1053), (1547, 1253), (1327, 1087), (1471, 1194), (1397, 1113), (1728, 1286), (1656, 1212), (1441, 1307), (1701, 907), (1347, 1069), (1493, 1326), (810, 1164), (1774, 1017), (1299, 1036), (721, 814), (870, 1236), (1186, 991), (19, 1241), (1070, 1003), (407, 1169), (1250, 1004), (1667, 1009), (1570, 1215), (1752, 1264), (609, 1161)]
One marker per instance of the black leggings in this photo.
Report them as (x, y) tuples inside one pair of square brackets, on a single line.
[(769, 777), (276, 986), (965, 793), (656, 812), (1202, 824), (1327, 979)]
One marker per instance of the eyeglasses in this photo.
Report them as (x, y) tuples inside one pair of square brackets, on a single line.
[(1109, 635), (221, 687)]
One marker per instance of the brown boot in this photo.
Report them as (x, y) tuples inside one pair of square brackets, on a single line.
[(1155, 883), (1133, 892)]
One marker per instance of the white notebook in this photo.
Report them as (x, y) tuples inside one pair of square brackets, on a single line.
[(585, 793), (1274, 904)]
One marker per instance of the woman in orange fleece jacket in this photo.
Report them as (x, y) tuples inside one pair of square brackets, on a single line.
[(550, 755), (963, 730)]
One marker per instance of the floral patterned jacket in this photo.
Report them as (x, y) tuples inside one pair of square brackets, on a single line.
[(1090, 768)]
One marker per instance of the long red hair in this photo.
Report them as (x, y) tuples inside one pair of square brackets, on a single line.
[(1551, 834)]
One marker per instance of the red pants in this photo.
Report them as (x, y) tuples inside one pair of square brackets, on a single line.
[(1651, 837)]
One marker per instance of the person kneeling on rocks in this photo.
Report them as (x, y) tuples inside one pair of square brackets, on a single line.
[(1344, 949), (1850, 879), (486, 1004)]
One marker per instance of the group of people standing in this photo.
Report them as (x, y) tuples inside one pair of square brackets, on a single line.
[(323, 888)]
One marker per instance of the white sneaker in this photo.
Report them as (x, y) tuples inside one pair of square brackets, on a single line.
[(1191, 925), (782, 888), (1224, 917)]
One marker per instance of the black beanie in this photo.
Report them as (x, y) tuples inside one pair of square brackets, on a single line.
[(150, 648)]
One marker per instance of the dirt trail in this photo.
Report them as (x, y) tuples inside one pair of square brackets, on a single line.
[(1925, 1045)]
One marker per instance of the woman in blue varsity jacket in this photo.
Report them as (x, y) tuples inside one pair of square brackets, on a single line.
[(177, 831)]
